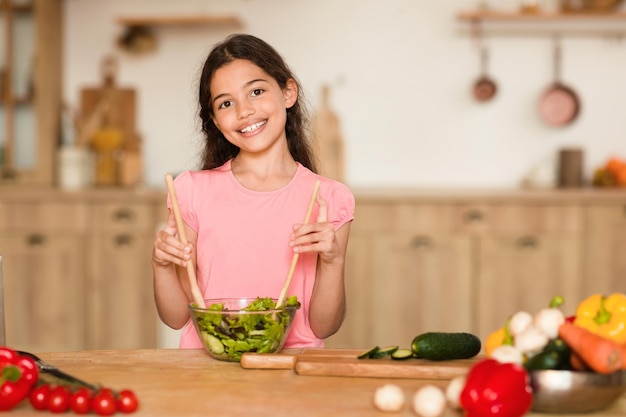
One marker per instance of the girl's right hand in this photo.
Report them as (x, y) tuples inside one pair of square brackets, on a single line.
[(167, 249)]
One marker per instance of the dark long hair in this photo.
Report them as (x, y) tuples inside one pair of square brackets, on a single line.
[(218, 150)]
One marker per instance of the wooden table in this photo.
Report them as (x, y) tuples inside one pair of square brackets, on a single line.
[(181, 383)]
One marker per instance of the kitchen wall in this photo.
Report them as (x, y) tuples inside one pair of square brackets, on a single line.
[(400, 73)]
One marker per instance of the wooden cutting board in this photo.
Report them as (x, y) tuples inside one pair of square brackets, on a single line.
[(110, 105), (344, 362)]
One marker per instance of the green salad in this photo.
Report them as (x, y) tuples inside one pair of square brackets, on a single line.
[(228, 336)]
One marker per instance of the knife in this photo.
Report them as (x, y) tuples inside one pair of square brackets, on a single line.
[(46, 368)]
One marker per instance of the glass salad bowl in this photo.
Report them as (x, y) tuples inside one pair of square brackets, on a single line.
[(229, 327)]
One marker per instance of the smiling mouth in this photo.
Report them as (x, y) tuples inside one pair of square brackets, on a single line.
[(253, 127)]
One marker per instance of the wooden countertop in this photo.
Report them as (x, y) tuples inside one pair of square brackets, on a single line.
[(182, 383)]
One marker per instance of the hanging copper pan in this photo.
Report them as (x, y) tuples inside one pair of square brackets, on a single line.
[(559, 104), (485, 87)]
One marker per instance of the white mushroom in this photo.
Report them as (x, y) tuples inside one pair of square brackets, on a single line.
[(520, 322), (389, 398), (429, 401), (531, 341), (548, 320), (453, 391), (507, 354)]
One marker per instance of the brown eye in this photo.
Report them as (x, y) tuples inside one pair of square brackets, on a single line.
[(225, 104)]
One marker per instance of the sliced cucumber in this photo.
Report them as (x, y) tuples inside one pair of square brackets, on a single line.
[(215, 345), (382, 352), (402, 354), (368, 353)]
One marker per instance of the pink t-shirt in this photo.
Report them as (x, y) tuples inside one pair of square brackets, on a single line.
[(243, 236)]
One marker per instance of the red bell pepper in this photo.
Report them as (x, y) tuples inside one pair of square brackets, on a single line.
[(18, 375), (496, 389)]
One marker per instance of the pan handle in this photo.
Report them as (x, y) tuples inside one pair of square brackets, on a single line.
[(557, 59)]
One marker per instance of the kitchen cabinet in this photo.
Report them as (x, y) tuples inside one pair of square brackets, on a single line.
[(30, 90), (465, 261), (77, 268), (122, 302), (403, 265), (43, 258), (532, 253), (605, 247)]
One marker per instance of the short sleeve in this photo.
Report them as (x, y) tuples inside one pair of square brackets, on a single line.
[(341, 204), (183, 183)]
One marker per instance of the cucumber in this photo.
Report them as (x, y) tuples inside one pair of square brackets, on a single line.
[(382, 352), (402, 354), (441, 346), (368, 353), (214, 343)]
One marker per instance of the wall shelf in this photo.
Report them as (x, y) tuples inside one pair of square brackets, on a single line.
[(151, 21), (546, 24), (499, 16), (138, 35)]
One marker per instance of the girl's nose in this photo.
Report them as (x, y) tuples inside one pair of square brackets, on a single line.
[(245, 109)]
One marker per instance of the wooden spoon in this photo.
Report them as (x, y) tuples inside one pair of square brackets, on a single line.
[(191, 271), (294, 259)]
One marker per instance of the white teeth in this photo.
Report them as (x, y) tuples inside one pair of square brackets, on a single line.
[(253, 127)]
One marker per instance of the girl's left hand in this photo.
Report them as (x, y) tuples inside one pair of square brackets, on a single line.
[(316, 237)]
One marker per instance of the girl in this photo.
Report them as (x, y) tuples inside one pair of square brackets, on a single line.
[(243, 210)]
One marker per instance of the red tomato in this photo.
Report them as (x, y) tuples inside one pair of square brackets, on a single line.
[(80, 401), (39, 397), (103, 403), (127, 401), (58, 399)]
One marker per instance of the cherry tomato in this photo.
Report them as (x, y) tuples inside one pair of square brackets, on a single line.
[(80, 401), (127, 401), (103, 403), (39, 397), (58, 399)]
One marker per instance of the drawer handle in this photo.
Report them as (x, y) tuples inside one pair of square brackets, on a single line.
[(527, 242), (35, 240), (474, 216), (124, 215), (123, 240), (421, 242)]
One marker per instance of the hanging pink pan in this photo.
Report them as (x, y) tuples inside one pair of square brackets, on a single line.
[(559, 104)]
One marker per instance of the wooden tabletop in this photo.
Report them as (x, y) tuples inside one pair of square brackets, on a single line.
[(187, 382)]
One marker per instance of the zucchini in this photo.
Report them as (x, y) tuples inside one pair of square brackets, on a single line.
[(556, 355), (381, 353), (368, 353), (402, 354), (441, 346), (543, 360)]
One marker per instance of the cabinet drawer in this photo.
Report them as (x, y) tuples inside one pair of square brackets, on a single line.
[(135, 216), (46, 216), (414, 217), (519, 218), (537, 218)]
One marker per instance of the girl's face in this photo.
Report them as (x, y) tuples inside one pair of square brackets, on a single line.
[(250, 108)]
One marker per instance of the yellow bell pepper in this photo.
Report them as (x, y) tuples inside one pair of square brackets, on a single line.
[(498, 338), (604, 315)]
